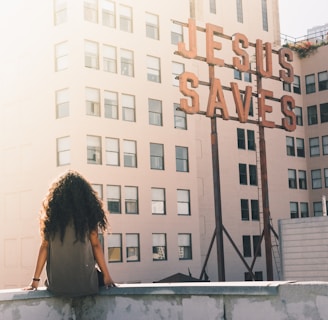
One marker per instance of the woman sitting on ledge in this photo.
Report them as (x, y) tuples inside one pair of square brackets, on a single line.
[(70, 217)]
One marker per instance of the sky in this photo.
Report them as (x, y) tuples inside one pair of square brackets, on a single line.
[(296, 16)]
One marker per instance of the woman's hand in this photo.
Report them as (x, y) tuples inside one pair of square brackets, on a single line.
[(32, 286), (108, 281)]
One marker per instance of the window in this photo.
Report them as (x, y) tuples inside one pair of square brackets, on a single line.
[(108, 14), (300, 147), (62, 103), (128, 108), (114, 199), (292, 179), (112, 152), (247, 246), (244, 209), (152, 26), (125, 18), (153, 69), (157, 156), (99, 190), (60, 11), (91, 55), (94, 149), (132, 247), (111, 104), (176, 33), (250, 140), (325, 172), (115, 247), (212, 6), (239, 4), (158, 201), (184, 244), (131, 200), (317, 209), (109, 59), (312, 115), (61, 56), (92, 102), (297, 84), (314, 147), (302, 179), (325, 145), (324, 112), (237, 74), (242, 173), (155, 112), (256, 246), (286, 86), (258, 275), (290, 146), (180, 118), (255, 210), (309, 83), (241, 138), (304, 209), (159, 247), (247, 77), (181, 159), (265, 16), (177, 69), (63, 151), (130, 153), (293, 210), (183, 206), (323, 80), (299, 116), (252, 175), (127, 63), (316, 179)]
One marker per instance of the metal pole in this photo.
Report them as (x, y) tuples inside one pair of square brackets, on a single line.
[(217, 200), (265, 196)]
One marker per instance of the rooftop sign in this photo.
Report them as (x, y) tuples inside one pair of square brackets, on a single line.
[(241, 61)]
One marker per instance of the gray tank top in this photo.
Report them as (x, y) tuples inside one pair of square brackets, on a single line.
[(71, 266)]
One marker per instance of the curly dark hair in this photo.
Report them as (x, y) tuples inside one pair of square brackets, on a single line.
[(71, 199)]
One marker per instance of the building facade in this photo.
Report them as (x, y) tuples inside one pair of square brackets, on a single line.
[(93, 86)]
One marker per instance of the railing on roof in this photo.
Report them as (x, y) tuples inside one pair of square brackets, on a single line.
[(317, 37)]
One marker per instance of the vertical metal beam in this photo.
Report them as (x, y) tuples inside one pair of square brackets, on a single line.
[(217, 191), (265, 194)]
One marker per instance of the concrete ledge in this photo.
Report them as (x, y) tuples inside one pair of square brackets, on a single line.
[(223, 301)]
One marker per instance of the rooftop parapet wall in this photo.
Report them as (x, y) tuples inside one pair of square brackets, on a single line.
[(222, 301)]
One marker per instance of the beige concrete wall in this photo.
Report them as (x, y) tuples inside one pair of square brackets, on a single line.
[(233, 301)]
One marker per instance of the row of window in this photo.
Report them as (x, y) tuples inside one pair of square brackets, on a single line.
[(115, 107), (316, 179), (301, 210), (159, 247), (113, 15), (310, 82), (113, 154), (249, 209), (296, 85), (247, 176), (312, 114), (129, 196), (112, 57), (240, 12), (314, 146)]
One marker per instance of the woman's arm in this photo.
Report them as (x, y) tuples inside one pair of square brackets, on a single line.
[(41, 260), (100, 259)]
